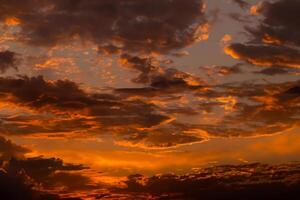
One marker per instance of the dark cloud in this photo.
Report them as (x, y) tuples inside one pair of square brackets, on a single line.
[(63, 96), (157, 78), (28, 178), (35, 92), (143, 65), (131, 25), (275, 41), (53, 173), (270, 71), (39, 124), (249, 110), (281, 22), (292, 93), (9, 149), (8, 59), (19, 187), (68, 110), (251, 181), (265, 55)]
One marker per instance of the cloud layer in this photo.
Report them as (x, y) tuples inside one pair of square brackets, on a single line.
[(129, 26)]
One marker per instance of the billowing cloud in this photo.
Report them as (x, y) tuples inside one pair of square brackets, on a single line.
[(132, 25)]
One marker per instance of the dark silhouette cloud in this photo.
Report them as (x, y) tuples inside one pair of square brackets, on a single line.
[(251, 181), (18, 187), (24, 178), (51, 173)]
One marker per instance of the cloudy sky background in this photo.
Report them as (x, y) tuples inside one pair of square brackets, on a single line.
[(103, 98)]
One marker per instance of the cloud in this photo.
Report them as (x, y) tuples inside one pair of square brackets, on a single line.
[(30, 178), (280, 23), (39, 124), (9, 149), (166, 136), (275, 40), (251, 181), (50, 102), (265, 55), (222, 70), (18, 187), (65, 97), (128, 26), (256, 109), (271, 71), (52, 173), (8, 60), (157, 78), (243, 110)]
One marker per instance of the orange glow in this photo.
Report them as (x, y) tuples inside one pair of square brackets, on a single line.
[(229, 51), (226, 38), (254, 10), (12, 21), (202, 32), (229, 102)]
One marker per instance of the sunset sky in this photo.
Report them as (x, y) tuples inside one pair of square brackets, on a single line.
[(149, 99)]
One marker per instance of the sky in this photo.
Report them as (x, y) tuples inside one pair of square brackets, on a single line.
[(149, 99)]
